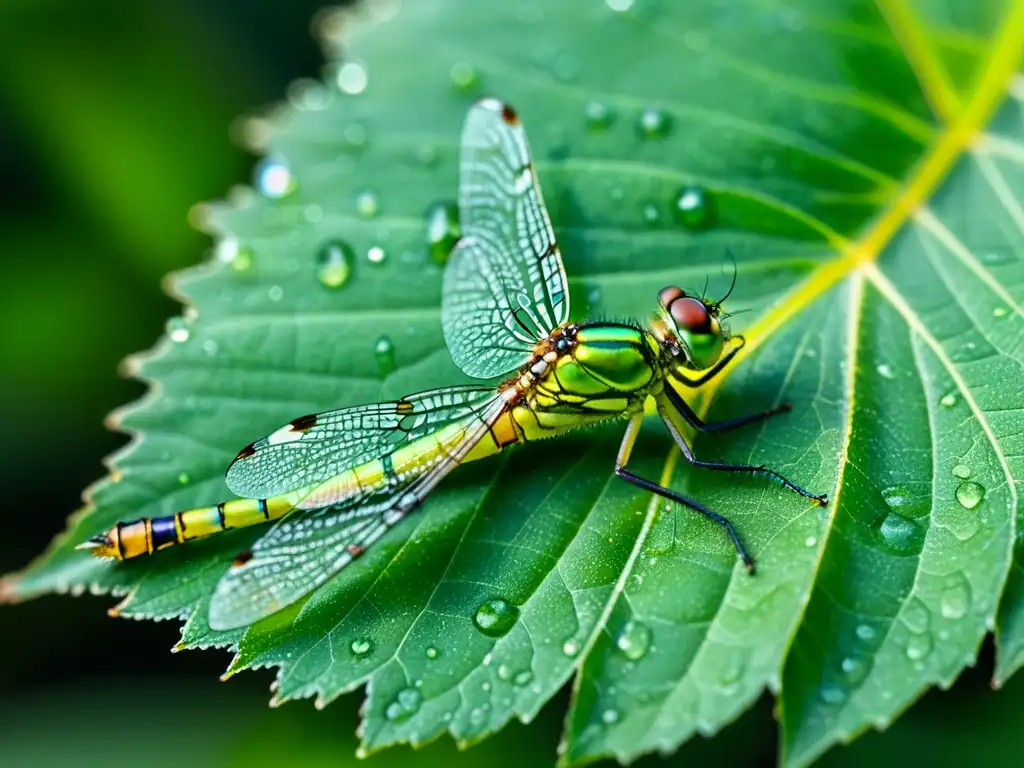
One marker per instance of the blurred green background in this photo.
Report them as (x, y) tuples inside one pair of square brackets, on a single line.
[(115, 118)]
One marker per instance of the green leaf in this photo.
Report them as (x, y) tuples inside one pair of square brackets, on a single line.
[(862, 163)]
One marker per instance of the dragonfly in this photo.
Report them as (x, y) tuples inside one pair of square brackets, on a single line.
[(336, 482)]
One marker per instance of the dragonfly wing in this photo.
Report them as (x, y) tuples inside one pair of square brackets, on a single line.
[(306, 549), (313, 449), (504, 287)]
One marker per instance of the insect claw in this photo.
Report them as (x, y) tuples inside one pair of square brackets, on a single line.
[(822, 500), (749, 564)]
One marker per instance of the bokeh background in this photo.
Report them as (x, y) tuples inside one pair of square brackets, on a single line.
[(115, 117)]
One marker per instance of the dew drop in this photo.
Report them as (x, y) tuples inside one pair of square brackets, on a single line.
[(352, 78), (334, 263), (505, 673), (651, 213), (811, 541), (275, 293), (463, 76), (366, 204), (906, 502), (496, 617), (570, 648), (376, 255), (177, 329), (855, 670), (384, 350), (653, 123), (999, 312), (523, 678), (405, 705), (949, 399), (599, 116), (634, 640), (229, 251), (916, 616), (970, 494), (962, 471), (442, 230), (832, 694), (919, 646), (432, 653), (485, 686), (998, 259), (885, 371), (361, 646), (956, 598), (273, 177), (694, 208), (183, 478), (865, 632), (900, 535), (619, 6), (610, 716)]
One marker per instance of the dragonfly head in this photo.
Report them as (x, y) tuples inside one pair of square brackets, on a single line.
[(691, 328)]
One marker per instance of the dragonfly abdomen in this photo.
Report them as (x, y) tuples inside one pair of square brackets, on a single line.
[(151, 534)]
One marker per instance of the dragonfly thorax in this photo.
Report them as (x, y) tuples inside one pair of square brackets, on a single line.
[(602, 359)]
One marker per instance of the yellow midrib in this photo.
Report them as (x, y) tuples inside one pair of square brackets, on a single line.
[(951, 143)]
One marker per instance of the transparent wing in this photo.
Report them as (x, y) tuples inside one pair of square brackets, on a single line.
[(313, 449), (504, 286), (306, 549)]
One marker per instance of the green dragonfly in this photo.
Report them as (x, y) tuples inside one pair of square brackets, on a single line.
[(337, 481)]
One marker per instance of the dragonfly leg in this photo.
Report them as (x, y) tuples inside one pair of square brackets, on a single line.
[(697, 423), (758, 469), (626, 448)]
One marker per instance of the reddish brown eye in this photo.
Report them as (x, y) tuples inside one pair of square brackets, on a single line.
[(691, 315), (670, 294)]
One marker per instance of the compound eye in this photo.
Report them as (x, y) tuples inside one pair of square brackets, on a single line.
[(691, 315), (667, 295)]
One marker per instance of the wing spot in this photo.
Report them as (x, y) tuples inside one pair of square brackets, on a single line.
[(509, 115), (241, 558), (246, 452), (303, 423)]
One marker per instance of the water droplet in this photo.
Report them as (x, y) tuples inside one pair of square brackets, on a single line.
[(812, 541), (376, 255), (273, 177), (523, 678), (230, 251), (183, 478), (998, 259), (366, 204), (361, 646), (956, 598), (916, 616), (906, 502), (651, 213), (694, 208), (865, 632), (570, 648), (634, 640), (999, 312), (485, 686), (464, 76), (620, 6), (970, 494), (210, 347), (505, 673), (610, 716), (385, 353), (405, 705), (599, 116), (962, 471), (177, 329), (855, 670), (275, 293), (900, 535), (432, 652), (885, 371), (351, 77), (653, 123), (919, 646), (832, 694), (356, 135), (949, 399), (334, 263), (442, 230), (496, 617)]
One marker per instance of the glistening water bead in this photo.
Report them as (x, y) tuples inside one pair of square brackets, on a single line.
[(334, 263), (273, 178), (496, 617), (442, 230), (694, 207)]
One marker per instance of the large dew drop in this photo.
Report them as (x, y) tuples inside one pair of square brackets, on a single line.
[(599, 116), (334, 263), (956, 598), (653, 124), (970, 494), (361, 646), (906, 502), (384, 351), (496, 617), (442, 230), (463, 76), (405, 705), (694, 208), (367, 204), (273, 178), (634, 640)]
